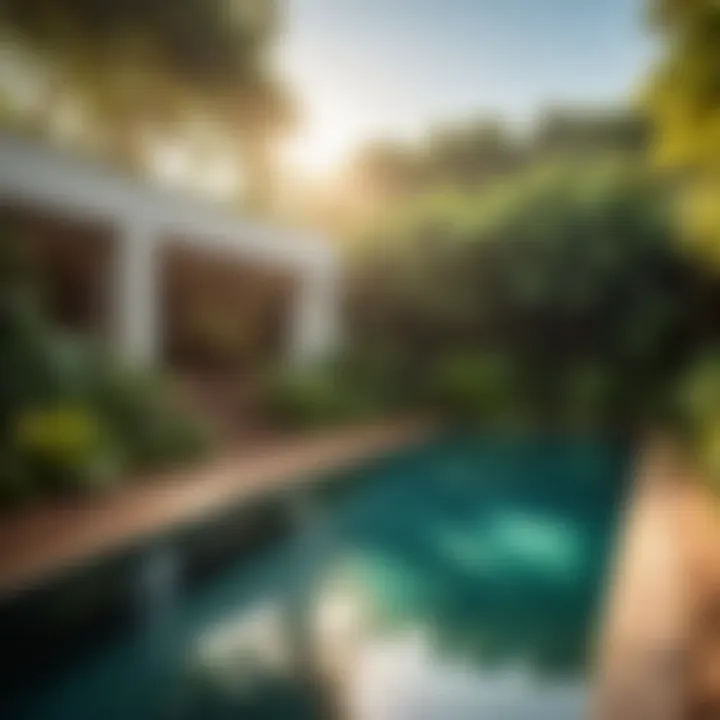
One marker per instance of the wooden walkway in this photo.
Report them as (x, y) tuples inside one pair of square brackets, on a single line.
[(659, 656), (638, 676), (40, 542)]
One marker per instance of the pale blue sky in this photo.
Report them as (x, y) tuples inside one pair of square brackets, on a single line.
[(363, 68)]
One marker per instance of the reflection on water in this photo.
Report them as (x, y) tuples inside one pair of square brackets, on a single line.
[(157, 585), (403, 679), (459, 580)]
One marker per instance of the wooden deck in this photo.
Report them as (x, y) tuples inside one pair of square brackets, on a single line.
[(637, 677), (659, 655), (42, 541)]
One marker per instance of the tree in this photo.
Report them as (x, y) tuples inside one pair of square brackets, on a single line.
[(130, 76), (474, 155), (470, 155), (588, 132), (684, 98), (570, 272)]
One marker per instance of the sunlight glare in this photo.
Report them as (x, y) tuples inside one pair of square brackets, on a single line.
[(318, 151)]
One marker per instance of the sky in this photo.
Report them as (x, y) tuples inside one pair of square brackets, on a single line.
[(362, 69)]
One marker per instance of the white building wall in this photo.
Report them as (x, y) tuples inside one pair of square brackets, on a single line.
[(142, 216)]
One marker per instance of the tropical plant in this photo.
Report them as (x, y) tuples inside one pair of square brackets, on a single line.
[(72, 418), (683, 97)]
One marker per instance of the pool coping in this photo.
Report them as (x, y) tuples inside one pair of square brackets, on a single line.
[(41, 543)]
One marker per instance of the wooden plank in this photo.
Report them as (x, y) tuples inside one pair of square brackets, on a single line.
[(645, 631), (42, 541)]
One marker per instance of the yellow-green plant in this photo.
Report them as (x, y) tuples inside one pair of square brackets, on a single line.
[(64, 446), (683, 97)]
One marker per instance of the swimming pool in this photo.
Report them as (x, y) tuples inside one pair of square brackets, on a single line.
[(462, 578)]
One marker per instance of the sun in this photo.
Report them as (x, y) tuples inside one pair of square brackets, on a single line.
[(324, 143), (319, 152)]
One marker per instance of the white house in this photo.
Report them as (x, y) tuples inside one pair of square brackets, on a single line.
[(141, 224)]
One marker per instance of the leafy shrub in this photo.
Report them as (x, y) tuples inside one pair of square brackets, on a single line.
[(482, 388), (570, 272), (697, 407), (590, 395), (318, 396), (65, 447), (138, 407), (699, 398), (71, 418), (17, 483)]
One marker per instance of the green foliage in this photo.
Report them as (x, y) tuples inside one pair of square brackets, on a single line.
[(591, 395), (357, 385), (312, 397), (696, 411), (361, 382), (569, 274), (683, 98), (475, 155), (66, 447), (138, 407), (699, 390), (71, 419), (476, 387), (195, 72), (198, 39)]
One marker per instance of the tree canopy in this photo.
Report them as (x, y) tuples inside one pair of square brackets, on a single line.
[(127, 76), (684, 98), (568, 273), (472, 155)]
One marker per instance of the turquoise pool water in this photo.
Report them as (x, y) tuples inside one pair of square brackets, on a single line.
[(461, 579)]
